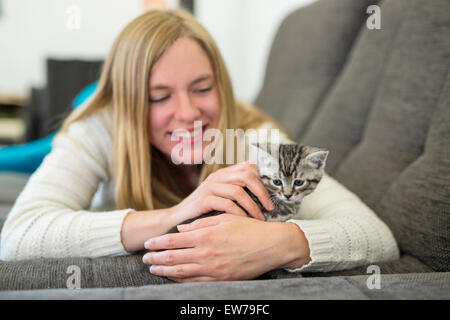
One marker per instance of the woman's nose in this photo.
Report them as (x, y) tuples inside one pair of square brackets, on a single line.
[(186, 110)]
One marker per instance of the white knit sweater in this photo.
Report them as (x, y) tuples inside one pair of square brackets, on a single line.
[(57, 214)]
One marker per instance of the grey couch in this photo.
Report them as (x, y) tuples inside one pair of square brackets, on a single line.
[(380, 101)]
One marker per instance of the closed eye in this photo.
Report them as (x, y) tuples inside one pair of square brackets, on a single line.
[(200, 91), (203, 90), (159, 99)]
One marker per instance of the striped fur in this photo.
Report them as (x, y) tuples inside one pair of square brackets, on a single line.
[(295, 162)]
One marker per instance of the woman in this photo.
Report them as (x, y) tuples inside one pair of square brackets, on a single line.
[(164, 72)]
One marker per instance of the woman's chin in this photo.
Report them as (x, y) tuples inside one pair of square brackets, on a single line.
[(188, 156)]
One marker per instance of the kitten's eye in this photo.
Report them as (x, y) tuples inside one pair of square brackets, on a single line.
[(277, 182), (298, 182)]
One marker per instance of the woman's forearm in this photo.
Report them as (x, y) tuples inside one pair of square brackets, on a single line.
[(139, 226)]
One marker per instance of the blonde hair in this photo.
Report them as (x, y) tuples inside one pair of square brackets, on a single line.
[(123, 86)]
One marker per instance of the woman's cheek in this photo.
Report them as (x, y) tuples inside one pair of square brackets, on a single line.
[(158, 127), (212, 107)]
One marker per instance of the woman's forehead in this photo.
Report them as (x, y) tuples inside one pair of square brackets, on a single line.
[(184, 61), (200, 79)]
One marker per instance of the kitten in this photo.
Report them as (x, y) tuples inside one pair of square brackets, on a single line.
[(289, 172)]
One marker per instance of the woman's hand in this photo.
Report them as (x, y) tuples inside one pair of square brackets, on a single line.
[(226, 247), (218, 191)]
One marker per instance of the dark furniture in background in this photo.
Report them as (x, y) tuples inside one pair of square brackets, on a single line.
[(188, 5), (50, 105), (380, 101)]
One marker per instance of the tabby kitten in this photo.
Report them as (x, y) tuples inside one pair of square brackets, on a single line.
[(289, 172)]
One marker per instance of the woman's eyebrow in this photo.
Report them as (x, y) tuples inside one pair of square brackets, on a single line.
[(201, 78), (194, 82)]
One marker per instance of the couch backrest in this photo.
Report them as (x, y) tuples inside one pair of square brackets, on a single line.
[(381, 114), (307, 55)]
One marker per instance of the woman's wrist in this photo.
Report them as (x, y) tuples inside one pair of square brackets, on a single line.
[(173, 217), (139, 226), (297, 252)]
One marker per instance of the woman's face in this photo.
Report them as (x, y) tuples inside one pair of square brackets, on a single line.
[(182, 90)]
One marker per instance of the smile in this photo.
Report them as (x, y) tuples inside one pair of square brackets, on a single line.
[(187, 136)]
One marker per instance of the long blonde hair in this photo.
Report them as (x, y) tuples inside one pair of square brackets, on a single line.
[(123, 86)]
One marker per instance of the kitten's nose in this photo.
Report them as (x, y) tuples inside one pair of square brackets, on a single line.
[(288, 196)]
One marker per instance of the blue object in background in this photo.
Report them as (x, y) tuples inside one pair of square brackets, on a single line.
[(28, 157), (84, 94)]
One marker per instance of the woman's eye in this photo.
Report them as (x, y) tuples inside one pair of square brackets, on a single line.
[(156, 100), (277, 182), (298, 182), (203, 90)]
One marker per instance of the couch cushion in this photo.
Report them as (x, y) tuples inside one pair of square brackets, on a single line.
[(11, 184), (406, 286), (417, 205), (301, 67), (4, 211), (406, 264), (376, 117), (376, 120), (124, 271)]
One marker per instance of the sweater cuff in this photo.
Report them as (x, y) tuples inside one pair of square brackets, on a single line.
[(320, 246), (102, 235)]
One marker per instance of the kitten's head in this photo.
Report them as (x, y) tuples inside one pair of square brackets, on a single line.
[(290, 171)]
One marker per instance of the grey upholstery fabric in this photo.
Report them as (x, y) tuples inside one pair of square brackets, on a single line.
[(376, 117), (124, 271), (417, 205), (403, 265), (409, 82), (11, 184), (408, 286), (129, 271), (307, 55)]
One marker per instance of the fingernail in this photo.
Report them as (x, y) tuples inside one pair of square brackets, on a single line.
[(145, 258), (271, 206), (153, 269), (147, 244), (181, 227)]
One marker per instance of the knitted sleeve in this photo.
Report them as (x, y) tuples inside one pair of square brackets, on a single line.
[(341, 230), (50, 218)]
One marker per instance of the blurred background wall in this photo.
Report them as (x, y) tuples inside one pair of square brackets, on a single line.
[(33, 30), (244, 30)]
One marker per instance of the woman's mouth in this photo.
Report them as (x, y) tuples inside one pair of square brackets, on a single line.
[(187, 135)]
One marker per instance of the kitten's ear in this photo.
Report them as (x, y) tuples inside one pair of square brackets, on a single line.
[(261, 157), (317, 158)]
